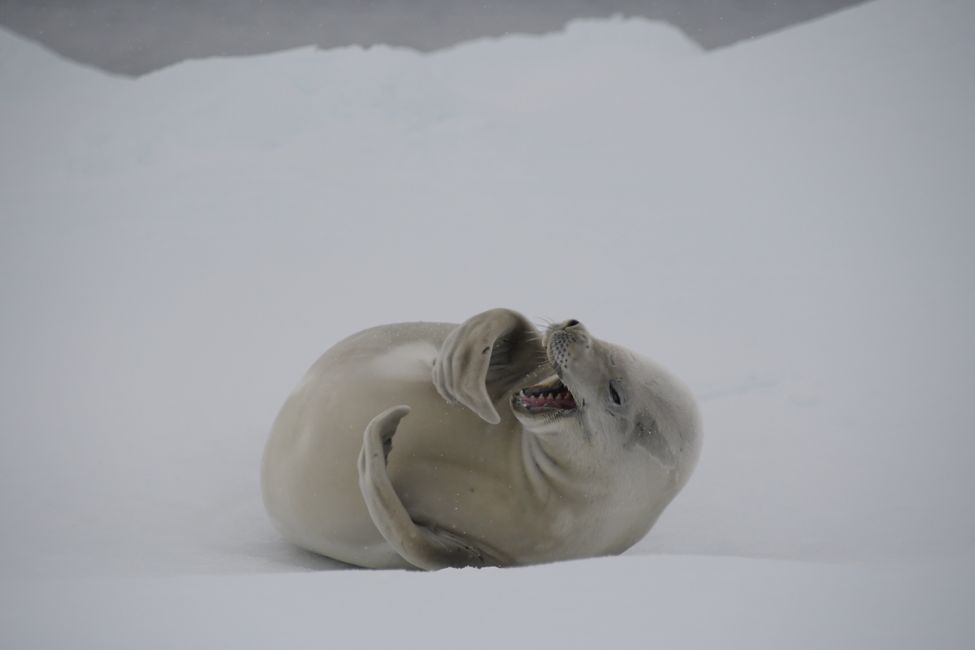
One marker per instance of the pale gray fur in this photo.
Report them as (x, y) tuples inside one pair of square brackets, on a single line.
[(470, 477)]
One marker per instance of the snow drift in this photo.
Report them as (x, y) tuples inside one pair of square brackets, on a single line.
[(785, 224)]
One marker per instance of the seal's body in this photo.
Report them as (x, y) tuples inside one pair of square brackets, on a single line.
[(505, 471)]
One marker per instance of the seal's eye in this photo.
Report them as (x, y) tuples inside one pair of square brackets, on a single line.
[(614, 395)]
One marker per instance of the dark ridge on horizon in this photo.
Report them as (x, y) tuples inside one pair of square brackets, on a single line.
[(135, 37)]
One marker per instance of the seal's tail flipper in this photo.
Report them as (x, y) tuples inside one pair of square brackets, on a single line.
[(422, 546)]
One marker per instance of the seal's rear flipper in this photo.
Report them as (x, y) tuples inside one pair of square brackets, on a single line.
[(423, 546)]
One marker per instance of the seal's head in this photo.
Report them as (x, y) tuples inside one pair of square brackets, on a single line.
[(612, 397)]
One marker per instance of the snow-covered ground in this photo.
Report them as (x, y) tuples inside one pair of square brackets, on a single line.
[(787, 224)]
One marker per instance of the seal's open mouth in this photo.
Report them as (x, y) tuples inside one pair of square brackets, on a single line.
[(550, 395)]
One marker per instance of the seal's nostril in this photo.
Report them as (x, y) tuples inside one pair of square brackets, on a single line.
[(571, 322)]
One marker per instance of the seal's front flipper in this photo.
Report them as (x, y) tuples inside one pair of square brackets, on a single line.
[(484, 357), (423, 546)]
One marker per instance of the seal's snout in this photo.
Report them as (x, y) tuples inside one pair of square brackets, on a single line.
[(570, 330), (553, 397), (565, 341), (568, 326)]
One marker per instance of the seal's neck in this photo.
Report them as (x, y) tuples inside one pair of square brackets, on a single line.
[(563, 455)]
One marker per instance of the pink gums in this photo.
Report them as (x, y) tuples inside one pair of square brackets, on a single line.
[(563, 400)]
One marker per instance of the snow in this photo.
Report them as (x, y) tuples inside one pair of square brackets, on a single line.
[(786, 224), (629, 602)]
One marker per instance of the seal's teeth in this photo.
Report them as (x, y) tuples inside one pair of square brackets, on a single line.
[(551, 395)]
